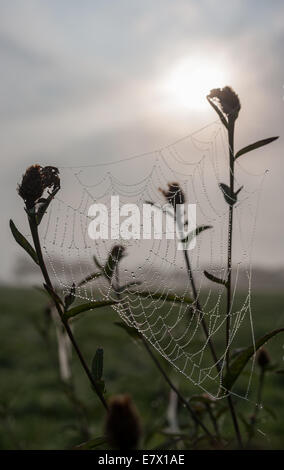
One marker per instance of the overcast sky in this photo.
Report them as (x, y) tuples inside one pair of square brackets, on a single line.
[(94, 80)]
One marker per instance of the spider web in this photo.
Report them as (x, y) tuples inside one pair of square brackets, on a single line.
[(198, 162)]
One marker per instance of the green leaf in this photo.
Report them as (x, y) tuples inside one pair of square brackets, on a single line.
[(23, 242), (69, 299), (166, 297), (194, 233), (230, 197), (101, 386), (87, 306), (89, 278), (219, 112), (130, 330), (240, 361), (255, 146), (213, 278), (98, 364), (92, 443), (237, 192)]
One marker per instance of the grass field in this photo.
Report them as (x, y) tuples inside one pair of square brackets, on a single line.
[(35, 411)]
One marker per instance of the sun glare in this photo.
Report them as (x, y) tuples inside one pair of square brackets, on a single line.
[(191, 80)]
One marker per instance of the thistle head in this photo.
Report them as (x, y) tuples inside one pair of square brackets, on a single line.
[(35, 180), (174, 194), (263, 358), (31, 187), (123, 428), (50, 177), (226, 100)]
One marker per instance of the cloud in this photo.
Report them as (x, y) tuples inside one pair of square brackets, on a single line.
[(76, 77)]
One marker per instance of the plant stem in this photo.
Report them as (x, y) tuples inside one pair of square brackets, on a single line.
[(211, 345), (231, 130), (37, 246), (230, 239)]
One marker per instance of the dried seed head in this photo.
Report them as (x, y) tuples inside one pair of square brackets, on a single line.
[(263, 359), (50, 177), (123, 428), (31, 187), (174, 195), (227, 99), (35, 181)]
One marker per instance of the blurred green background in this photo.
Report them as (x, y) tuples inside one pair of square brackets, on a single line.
[(36, 412)]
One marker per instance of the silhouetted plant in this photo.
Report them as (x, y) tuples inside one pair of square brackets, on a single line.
[(227, 105), (123, 429), (35, 182)]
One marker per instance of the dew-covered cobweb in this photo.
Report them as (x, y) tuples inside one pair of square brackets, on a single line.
[(198, 162)]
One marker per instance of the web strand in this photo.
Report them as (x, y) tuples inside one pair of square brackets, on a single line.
[(198, 162)]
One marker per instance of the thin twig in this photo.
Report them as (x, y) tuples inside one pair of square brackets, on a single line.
[(231, 129)]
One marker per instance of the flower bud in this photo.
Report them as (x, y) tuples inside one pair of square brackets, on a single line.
[(50, 177), (174, 194), (35, 181), (123, 428), (31, 187), (227, 99), (263, 359)]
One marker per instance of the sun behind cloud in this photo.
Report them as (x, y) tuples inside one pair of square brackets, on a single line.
[(190, 80)]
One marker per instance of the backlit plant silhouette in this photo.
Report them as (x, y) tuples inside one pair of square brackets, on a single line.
[(38, 188)]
